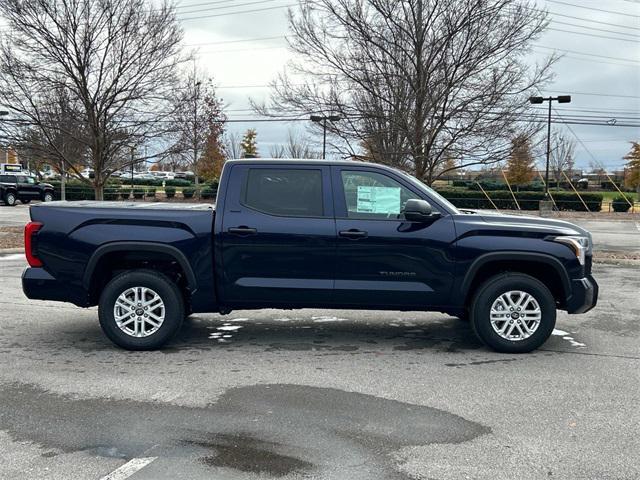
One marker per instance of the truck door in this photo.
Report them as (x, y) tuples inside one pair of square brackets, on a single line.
[(27, 188), (278, 236), (382, 259)]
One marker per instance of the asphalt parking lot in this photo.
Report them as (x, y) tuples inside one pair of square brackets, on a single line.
[(318, 394), (321, 394)]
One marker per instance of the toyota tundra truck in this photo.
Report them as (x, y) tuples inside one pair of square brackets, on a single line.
[(308, 234)]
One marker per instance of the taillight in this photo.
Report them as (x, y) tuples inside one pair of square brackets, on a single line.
[(29, 229)]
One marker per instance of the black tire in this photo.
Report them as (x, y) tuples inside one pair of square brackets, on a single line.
[(167, 290), (10, 199), (489, 292), (47, 197), (25, 201)]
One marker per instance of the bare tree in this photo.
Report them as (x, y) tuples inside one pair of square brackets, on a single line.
[(561, 156), (415, 81), (297, 146), (197, 116), (114, 60), (233, 144), (277, 151)]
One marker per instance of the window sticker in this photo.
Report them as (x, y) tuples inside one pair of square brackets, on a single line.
[(378, 199)]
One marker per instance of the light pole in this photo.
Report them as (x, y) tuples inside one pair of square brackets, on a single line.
[(323, 119), (538, 100), (6, 155)]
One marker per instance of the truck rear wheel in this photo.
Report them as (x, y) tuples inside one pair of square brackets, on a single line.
[(10, 199), (141, 310), (513, 313)]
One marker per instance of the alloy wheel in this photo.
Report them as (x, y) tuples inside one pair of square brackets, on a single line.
[(139, 312), (515, 315)]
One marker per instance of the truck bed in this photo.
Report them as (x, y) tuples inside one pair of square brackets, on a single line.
[(129, 205), (75, 235)]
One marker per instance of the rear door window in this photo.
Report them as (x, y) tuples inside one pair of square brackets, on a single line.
[(284, 192)]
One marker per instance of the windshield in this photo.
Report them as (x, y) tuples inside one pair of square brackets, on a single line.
[(430, 191)]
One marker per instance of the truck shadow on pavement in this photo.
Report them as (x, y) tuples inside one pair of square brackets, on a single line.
[(325, 335)]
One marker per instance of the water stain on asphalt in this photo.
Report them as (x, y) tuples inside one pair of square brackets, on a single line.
[(272, 429), (248, 454)]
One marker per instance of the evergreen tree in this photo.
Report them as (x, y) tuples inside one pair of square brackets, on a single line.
[(249, 144), (632, 174), (520, 164)]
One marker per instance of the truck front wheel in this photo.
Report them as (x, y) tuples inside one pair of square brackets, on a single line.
[(10, 199), (141, 310), (513, 313)]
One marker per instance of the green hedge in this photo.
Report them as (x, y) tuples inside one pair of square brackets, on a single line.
[(619, 204), (497, 185), (170, 192), (188, 192), (207, 193), (527, 200)]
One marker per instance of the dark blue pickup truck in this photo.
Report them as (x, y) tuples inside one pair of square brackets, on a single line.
[(304, 233)]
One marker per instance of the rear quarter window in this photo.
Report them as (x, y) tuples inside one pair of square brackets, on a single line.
[(284, 192)]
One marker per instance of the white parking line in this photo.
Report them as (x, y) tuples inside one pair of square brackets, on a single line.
[(638, 226), (132, 466)]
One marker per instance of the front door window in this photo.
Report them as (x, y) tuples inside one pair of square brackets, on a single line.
[(371, 195)]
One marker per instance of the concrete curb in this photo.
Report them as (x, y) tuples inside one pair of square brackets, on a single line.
[(11, 250)]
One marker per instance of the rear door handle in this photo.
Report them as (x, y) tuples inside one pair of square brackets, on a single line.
[(242, 231), (353, 234)]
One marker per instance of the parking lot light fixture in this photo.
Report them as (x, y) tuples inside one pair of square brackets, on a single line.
[(323, 119), (539, 100)]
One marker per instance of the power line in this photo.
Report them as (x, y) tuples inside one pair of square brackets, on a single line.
[(236, 13), (594, 9), (592, 21), (235, 5), (278, 37), (589, 27), (592, 35), (588, 54), (192, 5)]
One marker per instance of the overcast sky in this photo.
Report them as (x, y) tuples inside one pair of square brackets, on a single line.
[(601, 74)]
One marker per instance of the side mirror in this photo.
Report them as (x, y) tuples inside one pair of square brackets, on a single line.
[(418, 211)]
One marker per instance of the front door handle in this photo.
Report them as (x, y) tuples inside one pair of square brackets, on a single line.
[(242, 231), (353, 234)]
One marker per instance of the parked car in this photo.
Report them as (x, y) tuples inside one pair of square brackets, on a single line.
[(163, 175), (304, 233), (21, 187)]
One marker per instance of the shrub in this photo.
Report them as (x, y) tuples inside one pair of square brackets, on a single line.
[(527, 200), (619, 204), (207, 193), (124, 194), (138, 192), (111, 193), (74, 189), (151, 192), (178, 182), (170, 192), (188, 192)]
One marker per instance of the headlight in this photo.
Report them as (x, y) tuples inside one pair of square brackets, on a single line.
[(580, 245)]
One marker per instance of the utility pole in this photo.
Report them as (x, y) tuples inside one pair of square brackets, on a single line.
[(133, 151), (323, 120), (539, 100)]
